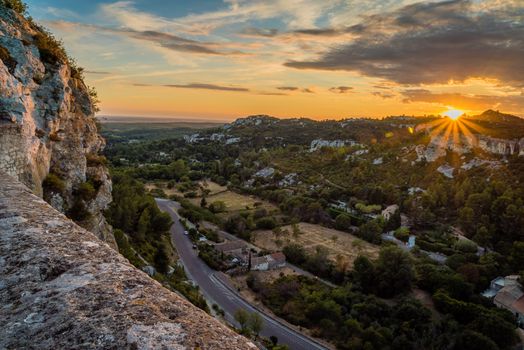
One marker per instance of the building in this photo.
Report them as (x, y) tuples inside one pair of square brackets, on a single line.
[(389, 211), (507, 293), (268, 262)]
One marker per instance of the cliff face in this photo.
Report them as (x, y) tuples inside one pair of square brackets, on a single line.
[(47, 125), (63, 288)]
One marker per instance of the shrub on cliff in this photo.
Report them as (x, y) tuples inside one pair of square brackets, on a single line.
[(51, 49), (52, 183), (15, 5)]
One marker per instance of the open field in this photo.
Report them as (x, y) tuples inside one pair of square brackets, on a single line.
[(212, 187), (236, 202), (338, 243), (163, 186)]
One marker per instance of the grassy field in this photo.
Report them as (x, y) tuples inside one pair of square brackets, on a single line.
[(212, 187), (235, 202), (341, 245)]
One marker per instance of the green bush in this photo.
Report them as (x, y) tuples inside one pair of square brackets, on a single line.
[(217, 207), (86, 191), (52, 183), (8, 60), (267, 223), (51, 49), (94, 160), (78, 212), (15, 5)]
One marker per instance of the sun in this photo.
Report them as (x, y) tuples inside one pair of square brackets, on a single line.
[(453, 114)]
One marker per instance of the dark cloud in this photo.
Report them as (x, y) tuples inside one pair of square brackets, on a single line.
[(273, 94), (382, 94), (259, 32), (141, 85), (511, 103), (341, 89), (295, 88), (288, 88), (207, 87), (166, 40), (329, 32), (97, 72), (428, 43), (171, 42)]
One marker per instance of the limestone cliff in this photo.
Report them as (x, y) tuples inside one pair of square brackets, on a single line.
[(48, 135), (63, 288)]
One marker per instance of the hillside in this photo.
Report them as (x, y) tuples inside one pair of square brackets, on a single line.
[(48, 133), (64, 286)]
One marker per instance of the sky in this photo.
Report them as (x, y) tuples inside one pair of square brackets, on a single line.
[(322, 59)]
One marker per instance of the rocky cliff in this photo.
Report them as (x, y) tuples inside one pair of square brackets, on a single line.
[(63, 288), (48, 132)]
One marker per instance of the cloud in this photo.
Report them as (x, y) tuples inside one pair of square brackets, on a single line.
[(511, 103), (341, 89), (97, 72), (296, 88), (207, 87), (382, 94), (272, 94), (295, 14), (259, 32), (165, 40), (429, 43)]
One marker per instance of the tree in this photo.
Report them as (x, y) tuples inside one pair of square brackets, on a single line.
[(516, 257), (295, 253), (242, 317), (267, 223), (217, 207), (471, 340), (256, 323), (343, 222), (143, 225), (364, 273), (162, 259), (394, 272), (203, 202), (370, 231)]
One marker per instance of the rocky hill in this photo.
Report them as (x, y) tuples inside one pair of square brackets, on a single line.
[(48, 132), (61, 287)]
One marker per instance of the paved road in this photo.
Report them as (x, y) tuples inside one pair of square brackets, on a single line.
[(214, 291)]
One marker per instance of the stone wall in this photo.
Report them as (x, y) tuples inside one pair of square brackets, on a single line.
[(63, 288)]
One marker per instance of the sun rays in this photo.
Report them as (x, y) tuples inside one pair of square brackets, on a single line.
[(454, 131)]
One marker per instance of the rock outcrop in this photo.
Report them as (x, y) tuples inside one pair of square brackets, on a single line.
[(48, 133), (63, 288)]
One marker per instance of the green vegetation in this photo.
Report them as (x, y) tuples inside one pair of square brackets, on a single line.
[(146, 239), (16, 5), (7, 59), (477, 225), (53, 184)]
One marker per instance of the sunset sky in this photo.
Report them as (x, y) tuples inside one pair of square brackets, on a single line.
[(223, 59)]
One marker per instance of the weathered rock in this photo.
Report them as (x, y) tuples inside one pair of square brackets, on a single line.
[(47, 123), (63, 288)]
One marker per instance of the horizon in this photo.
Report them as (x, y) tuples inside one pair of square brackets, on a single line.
[(219, 59)]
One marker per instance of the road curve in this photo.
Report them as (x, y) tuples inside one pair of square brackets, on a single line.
[(216, 292)]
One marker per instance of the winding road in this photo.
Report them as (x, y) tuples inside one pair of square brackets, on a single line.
[(217, 292)]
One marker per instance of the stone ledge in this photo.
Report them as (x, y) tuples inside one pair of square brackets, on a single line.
[(62, 287)]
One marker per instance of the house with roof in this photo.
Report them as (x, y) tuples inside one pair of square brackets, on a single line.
[(268, 262), (236, 249), (506, 292), (389, 211)]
